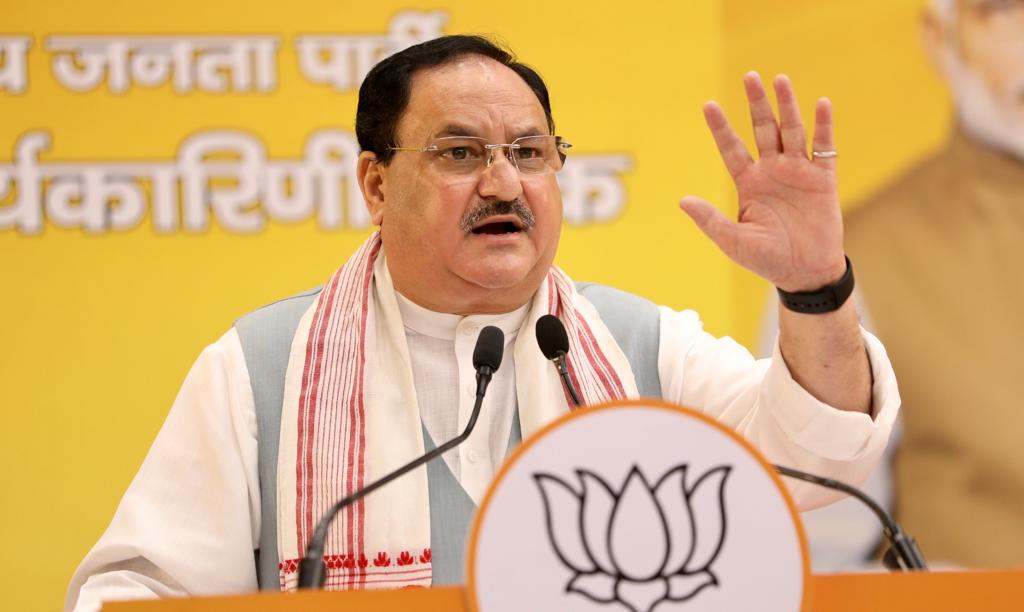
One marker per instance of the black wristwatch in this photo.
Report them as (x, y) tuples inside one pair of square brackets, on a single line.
[(826, 299)]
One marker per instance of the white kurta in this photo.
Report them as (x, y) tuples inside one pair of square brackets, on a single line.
[(441, 351), (190, 520)]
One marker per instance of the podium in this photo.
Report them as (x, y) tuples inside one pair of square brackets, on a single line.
[(696, 508), (992, 591)]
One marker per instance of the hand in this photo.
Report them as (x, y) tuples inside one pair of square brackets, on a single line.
[(790, 227)]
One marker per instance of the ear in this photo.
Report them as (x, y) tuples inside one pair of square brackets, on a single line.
[(371, 183), (937, 38)]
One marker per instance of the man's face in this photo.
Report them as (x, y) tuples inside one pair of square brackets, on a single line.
[(500, 262), (982, 53)]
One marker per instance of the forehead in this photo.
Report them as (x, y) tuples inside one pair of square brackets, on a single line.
[(475, 95)]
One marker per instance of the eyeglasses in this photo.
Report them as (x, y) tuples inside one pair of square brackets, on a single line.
[(997, 8), (464, 156)]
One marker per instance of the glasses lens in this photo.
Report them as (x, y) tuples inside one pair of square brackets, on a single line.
[(458, 155), (464, 156), (537, 154)]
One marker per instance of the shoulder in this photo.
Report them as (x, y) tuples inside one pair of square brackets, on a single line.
[(614, 301), (291, 307), (269, 329), (911, 213), (621, 311), (925, 186), (635, 323)]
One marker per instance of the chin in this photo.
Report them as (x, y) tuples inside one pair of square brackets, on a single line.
[(496, 279), (499, 277)]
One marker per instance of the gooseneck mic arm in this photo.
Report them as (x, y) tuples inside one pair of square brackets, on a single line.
[(554, 343), (486, 358), (903, 553)]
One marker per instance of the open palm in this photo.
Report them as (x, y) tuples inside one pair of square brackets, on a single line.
[(789, 229)]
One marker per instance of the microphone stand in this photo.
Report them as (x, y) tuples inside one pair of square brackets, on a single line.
[(563, 371), (312, 570), (904, 553)]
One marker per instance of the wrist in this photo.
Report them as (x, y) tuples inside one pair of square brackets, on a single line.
[(829, 273)]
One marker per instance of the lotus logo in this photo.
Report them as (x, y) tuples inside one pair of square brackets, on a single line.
[(643, 544)]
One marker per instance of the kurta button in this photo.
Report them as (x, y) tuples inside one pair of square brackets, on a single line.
[(473, 456)]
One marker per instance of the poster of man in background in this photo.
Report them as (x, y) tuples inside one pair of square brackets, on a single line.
[(937, 254)]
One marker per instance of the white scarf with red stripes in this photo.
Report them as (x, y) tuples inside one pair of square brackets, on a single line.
[(350, 416)]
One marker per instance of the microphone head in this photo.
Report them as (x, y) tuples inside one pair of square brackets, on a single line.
[(551, 337), (490, 345)]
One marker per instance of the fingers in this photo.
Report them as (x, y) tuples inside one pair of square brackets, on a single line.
[(734, 152), (786, 136), (766, 129), (791, 127), (714, 223), (823, 139)]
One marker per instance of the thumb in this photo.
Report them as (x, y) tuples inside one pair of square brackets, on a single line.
[(715, 224)]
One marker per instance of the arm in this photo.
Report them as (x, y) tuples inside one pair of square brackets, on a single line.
[(790, 232), (190, 520), (844, 535), (761, 400), (826, 355)]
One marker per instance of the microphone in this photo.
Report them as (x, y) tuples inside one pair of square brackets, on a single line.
[(903, 553), (490, 345), (554, 343)]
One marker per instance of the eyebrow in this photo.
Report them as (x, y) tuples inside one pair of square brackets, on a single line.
[(532, 131), (454, 129)]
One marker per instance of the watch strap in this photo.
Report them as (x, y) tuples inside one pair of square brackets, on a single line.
[(826, 299)]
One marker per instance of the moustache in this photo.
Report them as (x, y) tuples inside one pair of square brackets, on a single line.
[(493, 208)]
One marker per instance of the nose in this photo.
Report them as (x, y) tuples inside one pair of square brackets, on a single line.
[(500, 179)]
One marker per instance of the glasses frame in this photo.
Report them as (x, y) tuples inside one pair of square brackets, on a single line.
[(561, 146)]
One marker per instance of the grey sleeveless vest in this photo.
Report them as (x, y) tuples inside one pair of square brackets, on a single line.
[(266, 335)]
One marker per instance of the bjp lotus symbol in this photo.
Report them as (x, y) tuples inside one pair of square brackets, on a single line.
[(643, 544)]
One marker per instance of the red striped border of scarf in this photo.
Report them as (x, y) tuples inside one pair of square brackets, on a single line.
[(331, 402), (382, 570), (598, 382)]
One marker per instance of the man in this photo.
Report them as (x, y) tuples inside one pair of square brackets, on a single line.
[(457, 169), (936, 255)]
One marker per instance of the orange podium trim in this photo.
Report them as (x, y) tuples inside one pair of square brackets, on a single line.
[(448, 599), (992, 591)]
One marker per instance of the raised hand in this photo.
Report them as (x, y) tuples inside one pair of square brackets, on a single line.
[(790, 228)]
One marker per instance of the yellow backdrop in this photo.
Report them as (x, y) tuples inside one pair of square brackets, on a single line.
[(106, 306)]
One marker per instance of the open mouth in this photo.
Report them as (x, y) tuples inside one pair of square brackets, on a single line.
[(497, 227)]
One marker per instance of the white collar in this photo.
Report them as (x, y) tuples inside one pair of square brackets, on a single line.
[(443, 325)]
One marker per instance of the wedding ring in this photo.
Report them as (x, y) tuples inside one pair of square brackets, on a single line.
[(825, 154)]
